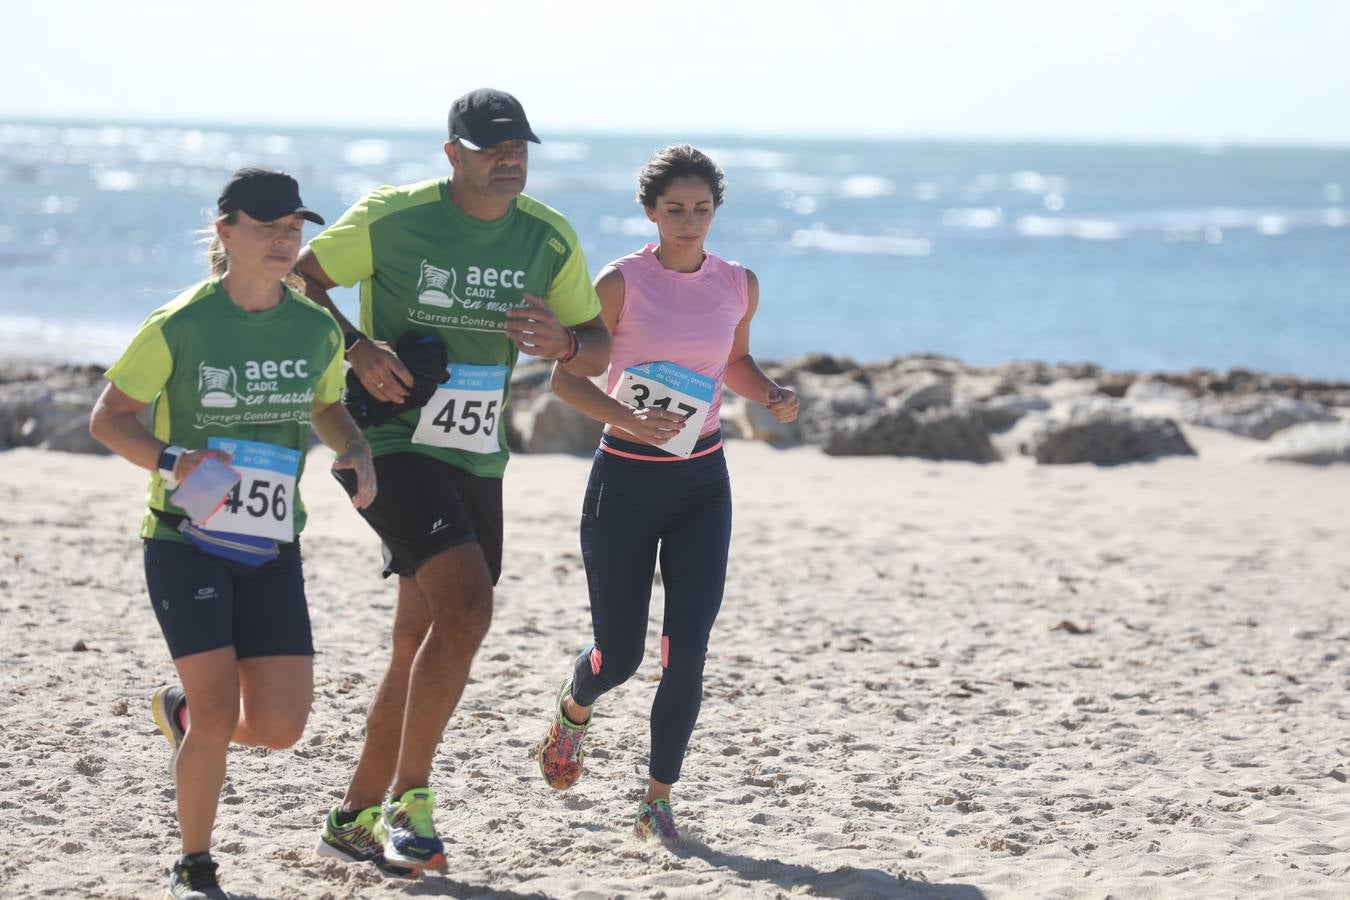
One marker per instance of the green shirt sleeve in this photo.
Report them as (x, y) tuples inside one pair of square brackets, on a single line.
[(570, 294), (329, 388), (343, 249), (145, 366)]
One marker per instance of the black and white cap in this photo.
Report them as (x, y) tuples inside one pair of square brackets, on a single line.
[(486, 118)]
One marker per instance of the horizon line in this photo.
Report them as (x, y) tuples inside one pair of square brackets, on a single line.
[(749, 134)]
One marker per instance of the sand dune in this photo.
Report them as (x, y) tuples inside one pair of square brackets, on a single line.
[(928, 680)]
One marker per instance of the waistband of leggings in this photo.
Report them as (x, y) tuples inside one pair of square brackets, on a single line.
[(709, 443)]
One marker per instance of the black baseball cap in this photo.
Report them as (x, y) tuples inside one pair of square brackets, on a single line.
[(264, 194), (486, 118)]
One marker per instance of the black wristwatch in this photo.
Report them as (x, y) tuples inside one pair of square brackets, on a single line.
[(350, 339)]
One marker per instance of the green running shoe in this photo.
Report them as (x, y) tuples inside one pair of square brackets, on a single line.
[(656, 820), (407, 833), (194, 880), (355, 841)]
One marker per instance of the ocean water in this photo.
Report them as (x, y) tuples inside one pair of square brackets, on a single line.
[(1135, 257)]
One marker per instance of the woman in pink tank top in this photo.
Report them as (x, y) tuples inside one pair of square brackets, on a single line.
[(658, 491)]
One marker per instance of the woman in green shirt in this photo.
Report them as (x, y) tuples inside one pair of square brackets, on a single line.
[(238, 369)]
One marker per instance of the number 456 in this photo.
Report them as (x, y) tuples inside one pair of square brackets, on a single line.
[(260, 503)]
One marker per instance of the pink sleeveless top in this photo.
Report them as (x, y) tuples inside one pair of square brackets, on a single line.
[(688, 318)]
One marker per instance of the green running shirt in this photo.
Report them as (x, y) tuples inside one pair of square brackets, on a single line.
[(424, 265), (213, 370)]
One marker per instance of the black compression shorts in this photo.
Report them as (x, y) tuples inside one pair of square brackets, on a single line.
[(204, 602), (424, 506)]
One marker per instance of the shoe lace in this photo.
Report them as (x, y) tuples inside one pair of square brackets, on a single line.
[(416, 815), (663, 819), (199, 875), (360, 835), (569, 741), (434, 277)]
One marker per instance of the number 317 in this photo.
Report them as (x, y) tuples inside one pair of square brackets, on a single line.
[(641, 392)]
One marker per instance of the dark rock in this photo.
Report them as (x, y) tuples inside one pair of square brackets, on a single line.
[(953, 434), (927, 392), (881, 432), (753, 421), (1115, 384), (1107, 437), (1241, 382), (925, 364), (1156, 390), (550, 425), (529, 378), (51, 414), (820, 364), (733, 426), (74, 437), (826, 400), (1001, 413), (895, 431), (1022, 373)]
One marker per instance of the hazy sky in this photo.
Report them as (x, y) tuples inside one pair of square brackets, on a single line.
[(1189, 70)]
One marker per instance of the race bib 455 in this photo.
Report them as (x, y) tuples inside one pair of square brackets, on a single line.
[(465, 411)]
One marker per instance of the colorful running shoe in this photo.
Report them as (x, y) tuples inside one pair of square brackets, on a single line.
[(407, 834), (656, 820), (165, 705), (562, 753), (355, 841), (194, 880)]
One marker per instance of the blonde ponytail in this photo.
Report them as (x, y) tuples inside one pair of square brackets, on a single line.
[(217, 258)]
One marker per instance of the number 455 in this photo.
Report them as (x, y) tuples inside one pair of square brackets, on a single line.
[(470, 420)]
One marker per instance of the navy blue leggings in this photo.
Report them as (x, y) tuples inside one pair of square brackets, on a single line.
[(637, 511)]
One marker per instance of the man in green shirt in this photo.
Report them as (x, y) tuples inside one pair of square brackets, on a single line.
[(492, 273)]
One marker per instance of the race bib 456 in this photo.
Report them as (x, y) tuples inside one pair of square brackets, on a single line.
[(262, 504)]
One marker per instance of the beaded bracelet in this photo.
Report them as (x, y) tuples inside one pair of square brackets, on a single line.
[(573, 346)]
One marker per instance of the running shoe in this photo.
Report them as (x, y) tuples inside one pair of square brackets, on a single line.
[(355, 841), (656, 820), (407, 834), (194, 880), (562, 753), (165, 705)]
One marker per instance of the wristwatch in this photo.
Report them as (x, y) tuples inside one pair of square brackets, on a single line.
[(168, 461), (350, 340)]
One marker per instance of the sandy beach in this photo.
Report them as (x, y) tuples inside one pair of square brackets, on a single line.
[(928, 680)]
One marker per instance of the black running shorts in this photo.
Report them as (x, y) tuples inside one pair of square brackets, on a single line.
[(424, 506), (204, 602)]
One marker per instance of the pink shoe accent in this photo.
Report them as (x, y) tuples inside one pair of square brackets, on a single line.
[(595, 660), (665, 651)]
